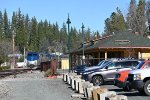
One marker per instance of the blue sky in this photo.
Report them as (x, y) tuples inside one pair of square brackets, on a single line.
[(92, 13)]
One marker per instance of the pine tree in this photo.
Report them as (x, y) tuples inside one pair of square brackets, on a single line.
[(131, 16), (148, 14), (121, 21), (73, 38), (108, 28), (115, 23), (33, 41), (1, 25), (63, 34), (13, 23), (140, 17), (5, 24), (18, 26), (27, 30), (87, 34)]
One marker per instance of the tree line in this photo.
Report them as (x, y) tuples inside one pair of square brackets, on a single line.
[(37, 36), (135, 20)]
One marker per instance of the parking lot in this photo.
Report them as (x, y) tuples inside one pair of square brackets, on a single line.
[(132, 95)]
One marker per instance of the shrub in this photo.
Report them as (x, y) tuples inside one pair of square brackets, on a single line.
[(4, 67)]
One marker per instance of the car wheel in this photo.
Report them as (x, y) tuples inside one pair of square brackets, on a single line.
[(147, 88), (97, 80)]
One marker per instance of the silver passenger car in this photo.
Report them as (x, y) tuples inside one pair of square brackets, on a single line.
[(108, 72)]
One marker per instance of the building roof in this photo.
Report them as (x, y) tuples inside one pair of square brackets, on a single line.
[(124, 39)]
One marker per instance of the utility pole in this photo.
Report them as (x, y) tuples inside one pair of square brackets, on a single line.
[(69, 22), (13, 41), (83, 56)]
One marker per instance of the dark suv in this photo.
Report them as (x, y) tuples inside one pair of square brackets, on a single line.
[(108, 72)]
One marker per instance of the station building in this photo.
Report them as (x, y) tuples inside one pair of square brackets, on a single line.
[(118, 45)]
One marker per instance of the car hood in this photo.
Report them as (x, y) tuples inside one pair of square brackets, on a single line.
[(91, 68), (146, 70)]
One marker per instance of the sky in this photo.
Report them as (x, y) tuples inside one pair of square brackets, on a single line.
[(92, 13)]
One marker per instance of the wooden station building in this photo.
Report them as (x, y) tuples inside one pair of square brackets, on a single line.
[(118, 45)]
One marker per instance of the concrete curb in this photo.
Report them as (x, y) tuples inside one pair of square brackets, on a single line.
[(88, 91)]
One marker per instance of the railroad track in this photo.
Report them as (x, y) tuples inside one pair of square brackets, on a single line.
[(14, 72)]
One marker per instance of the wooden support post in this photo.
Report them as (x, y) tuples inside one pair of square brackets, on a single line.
[(99, 57), (105, 55), (139, 55), (78, 59)]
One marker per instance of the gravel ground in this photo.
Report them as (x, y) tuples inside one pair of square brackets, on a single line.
[(33, 86)]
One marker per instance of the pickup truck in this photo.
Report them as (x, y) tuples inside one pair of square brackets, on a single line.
[(140, 80), (122, 76)]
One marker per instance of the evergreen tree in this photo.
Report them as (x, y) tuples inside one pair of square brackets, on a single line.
[(63, 37), (1, 25), (87, 34), (6, 24), (56, 32), (108, 28), (27, 30), (14, 22), (73, 38), (33, 39), (148, 14), (115, 23), (131, 16), (121, 21), (18, 26), (63, 34), (140, 17)]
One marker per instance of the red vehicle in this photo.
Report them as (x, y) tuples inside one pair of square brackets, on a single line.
[(121, 77)]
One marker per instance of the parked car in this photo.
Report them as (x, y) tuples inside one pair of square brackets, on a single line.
[(108, 72), (121, 77), (140, 80), (99, 65)]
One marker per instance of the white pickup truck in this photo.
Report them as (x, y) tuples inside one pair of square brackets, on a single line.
[(140, 80)]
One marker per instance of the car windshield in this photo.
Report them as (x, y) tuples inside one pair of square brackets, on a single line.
[(139, 65), (100, 62), (127, 64), (107, 64)]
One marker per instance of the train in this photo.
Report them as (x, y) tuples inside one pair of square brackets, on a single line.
[(34, 59)]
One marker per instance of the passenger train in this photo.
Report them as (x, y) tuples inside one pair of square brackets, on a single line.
[(33, 60)]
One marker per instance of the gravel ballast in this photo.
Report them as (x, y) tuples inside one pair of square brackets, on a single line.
[(33, 86)]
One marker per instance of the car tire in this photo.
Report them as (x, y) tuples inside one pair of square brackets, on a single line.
[(97, 80), (147, 88)]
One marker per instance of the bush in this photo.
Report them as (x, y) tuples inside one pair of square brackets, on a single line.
[(4, 67)]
